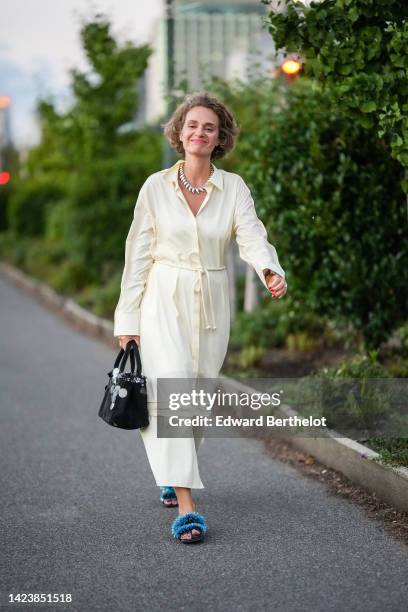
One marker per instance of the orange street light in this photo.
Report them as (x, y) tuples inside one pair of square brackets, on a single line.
[(5, 101), (4, 178), (291, 67)]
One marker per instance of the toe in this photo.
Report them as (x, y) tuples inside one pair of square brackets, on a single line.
[(186, 535)]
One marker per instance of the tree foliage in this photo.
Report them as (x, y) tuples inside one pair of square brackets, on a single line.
[(331, 199), (359, 48), (79, 185), (105, 98)]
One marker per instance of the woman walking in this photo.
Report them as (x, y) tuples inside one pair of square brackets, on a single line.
[(174, 298)]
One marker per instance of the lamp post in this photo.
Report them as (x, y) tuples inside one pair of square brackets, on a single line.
[(5, 140), (167, 151)]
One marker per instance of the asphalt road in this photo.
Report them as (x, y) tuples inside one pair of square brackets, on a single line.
[(81, 513)]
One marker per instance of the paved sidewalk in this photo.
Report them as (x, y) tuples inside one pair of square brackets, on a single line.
[(81, 511)]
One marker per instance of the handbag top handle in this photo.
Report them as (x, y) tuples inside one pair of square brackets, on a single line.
[(133, 349)]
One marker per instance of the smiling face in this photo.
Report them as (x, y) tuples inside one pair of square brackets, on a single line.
[(200, 133)]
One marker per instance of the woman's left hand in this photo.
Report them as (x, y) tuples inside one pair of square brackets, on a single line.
[(276, 285)]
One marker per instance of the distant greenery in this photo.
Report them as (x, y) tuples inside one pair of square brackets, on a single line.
[(76, 190), (30, 203), (9, 163)]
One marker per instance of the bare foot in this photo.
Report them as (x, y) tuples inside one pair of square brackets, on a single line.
[(170, 502), (183, 510)]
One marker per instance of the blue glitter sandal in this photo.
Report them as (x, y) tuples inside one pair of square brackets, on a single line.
[(168, 494), (187, 522)]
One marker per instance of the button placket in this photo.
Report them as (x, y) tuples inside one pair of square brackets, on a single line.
[(194, 260), (196, 333), (197, 308)]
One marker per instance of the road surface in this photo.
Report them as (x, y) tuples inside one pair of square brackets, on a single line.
[(81, 512)]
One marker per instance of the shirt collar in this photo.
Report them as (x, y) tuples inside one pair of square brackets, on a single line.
[(216, 179)]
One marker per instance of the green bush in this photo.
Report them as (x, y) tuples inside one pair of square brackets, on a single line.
[(332, 195), (21, 248), (102, 299), (393, 451), (403, 334), (398, 368), (57, 223), (102, 204), (260, 327), (39, 258), (301, 341), (45, 260), (30, 201), (7, 245), (348, 399), (357, 48), (280, 324), (68, 277), (358, 366), (83, 178), (5, 193), (250, 356)]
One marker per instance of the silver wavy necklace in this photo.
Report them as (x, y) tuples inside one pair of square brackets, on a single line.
[(187, 183)]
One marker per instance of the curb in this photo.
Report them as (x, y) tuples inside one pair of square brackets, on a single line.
[(82, 319), (353, 459)]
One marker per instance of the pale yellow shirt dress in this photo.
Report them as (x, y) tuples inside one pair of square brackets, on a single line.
[(174, 294)]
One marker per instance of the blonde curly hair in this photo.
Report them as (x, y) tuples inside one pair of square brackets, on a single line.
[(228, 129)]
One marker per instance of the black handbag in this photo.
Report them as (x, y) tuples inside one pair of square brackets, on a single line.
[(125, 401)]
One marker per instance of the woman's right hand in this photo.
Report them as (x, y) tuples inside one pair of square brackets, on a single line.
[(123, 340)]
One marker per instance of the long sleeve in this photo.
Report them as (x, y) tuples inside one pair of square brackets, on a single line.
[(251, 236), (138, 261)]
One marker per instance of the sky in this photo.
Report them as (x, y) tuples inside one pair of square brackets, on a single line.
[(39, 42)]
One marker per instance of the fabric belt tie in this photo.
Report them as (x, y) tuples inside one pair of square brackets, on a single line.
[(209, 324)]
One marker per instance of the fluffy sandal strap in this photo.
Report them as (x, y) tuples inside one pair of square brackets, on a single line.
[(168, 493), (187, 522), (184, 528)]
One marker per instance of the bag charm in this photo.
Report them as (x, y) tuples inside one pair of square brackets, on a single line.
[(125, 400)]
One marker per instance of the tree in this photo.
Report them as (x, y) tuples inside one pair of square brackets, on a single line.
[(359, 49), (92, 154), (331, 199)]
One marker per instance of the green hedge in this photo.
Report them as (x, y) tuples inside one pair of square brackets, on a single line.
[(331, 197), (30, 202)]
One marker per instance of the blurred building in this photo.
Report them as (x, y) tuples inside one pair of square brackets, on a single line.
[(140, 117), (224, 39), (5, 129)]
